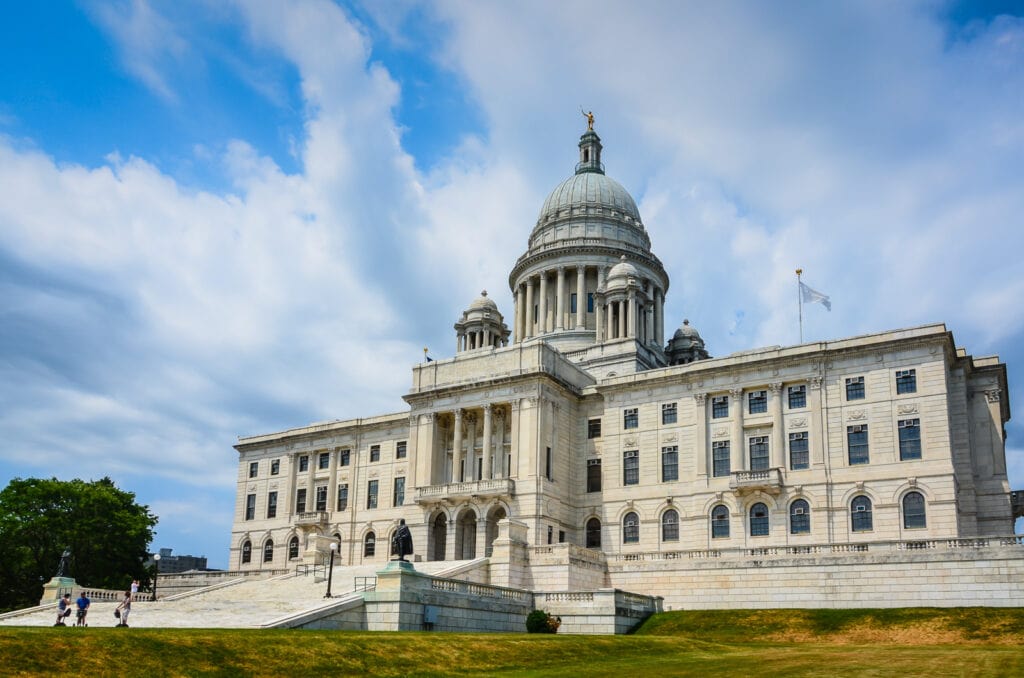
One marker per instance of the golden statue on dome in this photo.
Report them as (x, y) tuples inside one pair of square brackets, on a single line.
[(589, 115)]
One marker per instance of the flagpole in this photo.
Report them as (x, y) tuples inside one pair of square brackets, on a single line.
[(800, 303)]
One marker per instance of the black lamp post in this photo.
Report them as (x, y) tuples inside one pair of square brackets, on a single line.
[(156, 573), (330, 569)]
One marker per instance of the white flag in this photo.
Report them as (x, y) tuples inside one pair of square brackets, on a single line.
[(814, 297)]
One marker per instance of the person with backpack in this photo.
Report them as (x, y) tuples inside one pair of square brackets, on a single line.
[(83, 603), (124, 609), (63, 609)]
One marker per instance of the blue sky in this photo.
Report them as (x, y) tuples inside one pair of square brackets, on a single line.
[(225, 218)]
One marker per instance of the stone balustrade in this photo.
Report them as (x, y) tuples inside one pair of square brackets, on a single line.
[(495, 487), (311, 518), (766, 480)]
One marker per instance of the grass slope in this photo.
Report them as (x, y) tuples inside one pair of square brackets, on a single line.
[(672, 644)]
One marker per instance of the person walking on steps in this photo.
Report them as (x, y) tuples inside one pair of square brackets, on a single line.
[(124, 609), (63, 609), (82, 603)]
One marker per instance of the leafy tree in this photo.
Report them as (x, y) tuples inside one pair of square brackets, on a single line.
[(107, 532)]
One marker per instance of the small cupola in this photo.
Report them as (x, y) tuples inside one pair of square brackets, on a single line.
[(590, 151), (481, 326)]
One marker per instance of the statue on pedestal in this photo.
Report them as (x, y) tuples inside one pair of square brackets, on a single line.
[(65, 563), (401, 541)]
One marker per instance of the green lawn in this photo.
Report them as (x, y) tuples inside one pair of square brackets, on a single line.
[(974, 642)]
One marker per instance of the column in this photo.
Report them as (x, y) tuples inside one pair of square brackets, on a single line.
[(449, 541), (500, 444), (622, 319), (818, 431), (581, 298), (513, 439), (659, 317), (481, 536), (470, 473), (457, 446), (517, 308), (542, 305), (458, 342), (778, 451), (560, 300), (610, 308), (487, 442), (739, 453), (598, 318), (487, 338), (631, 318), (332, 479), (528, 325), (649, 337), (293, 466), (700, 419)]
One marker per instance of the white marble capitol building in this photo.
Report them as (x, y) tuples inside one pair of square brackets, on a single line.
[(575, 446)]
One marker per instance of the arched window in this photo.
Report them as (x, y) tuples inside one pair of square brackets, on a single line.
[(670, 525), (370, 545), (268, 551), (719, 522), (593, 533), (630, 529), (799, 517), (759, 520), (293, 548), (913, 511), (860, 514), (247, 552)]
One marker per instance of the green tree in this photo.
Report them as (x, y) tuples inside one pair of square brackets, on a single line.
[(107, 532)]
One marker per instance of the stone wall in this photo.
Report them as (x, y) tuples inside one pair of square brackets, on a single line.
[(944, 573)]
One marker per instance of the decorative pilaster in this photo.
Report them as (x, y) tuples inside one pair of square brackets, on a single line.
[(457, 447), (700, 418), (542, 305), (778, 456), (528, 325), (581, 297), (560, 299), (487, 443), (739, 452)]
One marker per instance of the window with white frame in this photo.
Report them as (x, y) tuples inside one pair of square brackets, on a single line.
[(371, 494), (275, 467), (914, 511), (906, 381), (303, 463), (797, 397), (759, 459), (799, 457), (268, 551), (272, 504), (370, 545), (719, 522), (254, 469), (668, 413), (670, 525), (374, 453), (800, 517), (860, 514), (321, 497), (669, 463), (293, 548), (250, 506), (857, 442), (719, 407), (759, 520), (910, 439), (630, 418), (757, 402), (720, 465), (593, 429), (631, 467), (400, 449), (342, 496), (631, 528), (593, 475), (324, 461), (855, 388), (399, 493)]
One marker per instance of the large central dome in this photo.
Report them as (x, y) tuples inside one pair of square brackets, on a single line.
[(589, 193)]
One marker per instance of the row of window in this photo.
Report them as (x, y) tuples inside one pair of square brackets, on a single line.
[(861, 520), (757, 402), (320, 498), (760, 460), (323, 459), (369, 548)]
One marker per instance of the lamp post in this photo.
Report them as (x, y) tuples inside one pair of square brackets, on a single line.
[(156, 573), (330, 569)]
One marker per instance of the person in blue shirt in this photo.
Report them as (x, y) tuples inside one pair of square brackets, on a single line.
[(63, 609), (83, 609)]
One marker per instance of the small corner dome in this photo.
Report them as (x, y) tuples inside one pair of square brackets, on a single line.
[(686, 332), (620, 273), (483, 302)]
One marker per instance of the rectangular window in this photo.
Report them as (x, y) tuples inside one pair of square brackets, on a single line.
[(342, 496), (630, 418), (720, 458), (797, 397), (906, 381), (759, 460), (272, 504), (547, 464), (254, 469), (398, 498), (668, 413), (323, 462), (593, 429), (719, 407), (798, 457), (275, 467), (590, 302), (551, 534), (303, 464), (321, 498), (910, 439), (346, 458), (371, 494), (593, 475), (857, 440), (561, 536), (855, 388), (669, 464), (572, 302), (250, 506), (374, 453), (757, 402), (400, 448), (631, 467), (535, 313), (300, 500)]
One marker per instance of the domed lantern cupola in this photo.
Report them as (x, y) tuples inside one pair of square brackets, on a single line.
[(685, 346), (481, 326), (590, 153)]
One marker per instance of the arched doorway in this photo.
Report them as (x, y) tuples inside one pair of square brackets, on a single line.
[(465, 536), (438, 537), (493, 516), (593, 533)]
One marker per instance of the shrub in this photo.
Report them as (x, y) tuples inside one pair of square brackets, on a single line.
[(540, 621)]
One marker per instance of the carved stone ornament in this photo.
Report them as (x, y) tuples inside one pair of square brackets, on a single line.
[(720, 433), (736, 392), (799, 422), (629, 442), (815, 383), (775, 387), (859, 485), (700, 398), (400, 470), (992, 396), (374, 473), (907, 409), (856, 415), (670, 438), (252, 488), (912, 482)]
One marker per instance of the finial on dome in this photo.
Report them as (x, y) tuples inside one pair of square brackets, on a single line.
[(484, 293), (623, 258), (686, 322)]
